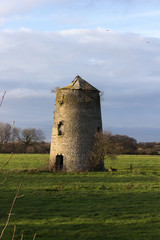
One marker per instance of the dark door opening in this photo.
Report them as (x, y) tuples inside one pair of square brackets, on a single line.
[(59, 162)]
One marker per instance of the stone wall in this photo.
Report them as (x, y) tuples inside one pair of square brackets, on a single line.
[(77, 117)]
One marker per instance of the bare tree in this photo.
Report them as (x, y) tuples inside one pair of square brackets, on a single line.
[(15, 136), (31, 135), (10, 212), (27, 135), (55, 90), (6, 162), (5, 135), (96, 157), (103, 147), (2, 98), (109, 145), (40, 136), (5, 131)]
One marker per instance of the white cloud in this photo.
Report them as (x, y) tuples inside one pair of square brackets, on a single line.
[(27, 56), (20, 93), (124, 66), (16, 6), (11, 10), (96, 61)]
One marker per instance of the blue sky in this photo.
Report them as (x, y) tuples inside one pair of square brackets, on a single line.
[(113, 44), (141, 16)]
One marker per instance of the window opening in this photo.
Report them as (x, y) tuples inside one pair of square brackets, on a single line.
[(60, 128), (59, 162), (98, 129), (62, 101)]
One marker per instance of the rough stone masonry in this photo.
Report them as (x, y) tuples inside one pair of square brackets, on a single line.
[(77, 117)]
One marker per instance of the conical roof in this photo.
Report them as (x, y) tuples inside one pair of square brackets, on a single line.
[(79, 83)]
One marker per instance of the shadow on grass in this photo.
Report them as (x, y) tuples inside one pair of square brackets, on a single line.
[(87, 231), (83, 214)]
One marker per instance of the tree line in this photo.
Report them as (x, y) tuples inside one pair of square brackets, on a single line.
[(32, 140), (17, 140), (123, 144)]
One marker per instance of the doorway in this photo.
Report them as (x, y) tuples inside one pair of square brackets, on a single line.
[(59, 162)]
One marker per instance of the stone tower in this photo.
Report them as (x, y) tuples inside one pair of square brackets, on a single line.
[(77, 117)]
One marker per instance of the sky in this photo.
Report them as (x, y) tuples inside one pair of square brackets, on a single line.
[(112, 44)]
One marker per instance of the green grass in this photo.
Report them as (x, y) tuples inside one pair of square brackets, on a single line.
[(95, 205), (24, 161)]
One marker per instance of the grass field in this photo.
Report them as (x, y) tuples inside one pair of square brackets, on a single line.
[(95, 205)]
